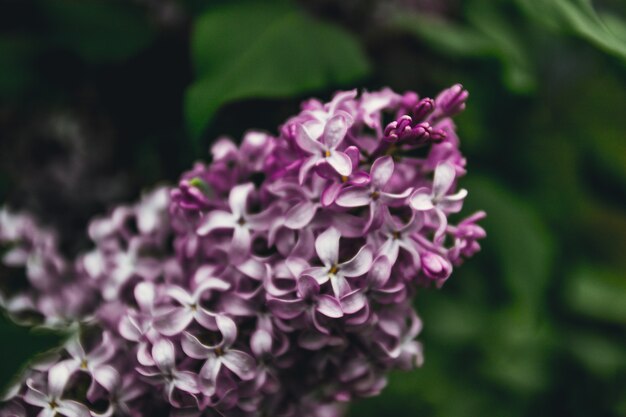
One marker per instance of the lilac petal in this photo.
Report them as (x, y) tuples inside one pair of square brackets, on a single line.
[(222, 148), (453, 203), (254, 269), (390, 249), (72, 409), (74, 348), (107, 377), (330, 193), (381, 171), (47, 412), (334, 131), (172, 321), (286, 309), (306, 167), (240, 363), (296, 266), (353, 302), (320, 274), (35, 397), (228, 328), (143, 355), (444, 177), (194, 348), (144, 294), (261, 343), (395, 199), (340, 285), (104, 351), (186, 381), (380, 272), (421, 201), (354, 196), (163, 354), (306, 142), (240, 245), (237, 199), (216, 219), (300, 215), (409, 245), (308, 287), (329, 306), (209, 284), (340, 162), (305, 246), (262, 221), (359, 264), (211, 368), (327, 246), (58, 376), (129, 329)]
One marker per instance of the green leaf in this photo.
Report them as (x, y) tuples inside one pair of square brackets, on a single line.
[(597, 292), (580, 18), (19, 347), (98, 30), (487, 33), (518, 239), (262, 50)]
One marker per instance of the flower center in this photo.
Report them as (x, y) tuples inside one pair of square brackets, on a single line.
[(344, 178), (327, 154), (333, 270), (396, 235), (53, 404), (219, 351), (83, 364), (241, 221), (375, 195)]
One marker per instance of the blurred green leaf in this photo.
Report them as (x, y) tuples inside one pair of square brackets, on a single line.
[(98, 30), (263, 50), (518, 238), (601, 355), (580, 18), (597, 292), (21, 345), (487, 34)]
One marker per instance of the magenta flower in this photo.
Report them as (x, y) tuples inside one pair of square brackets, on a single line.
[(239, 220), (220, 355), (309, 301), (437, 201), (374, 195), (175, 383), (327, 248), (323, 148), (275, 280), (170, 321), (50, 400)]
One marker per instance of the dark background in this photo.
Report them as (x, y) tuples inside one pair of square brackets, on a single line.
[(100, 99)]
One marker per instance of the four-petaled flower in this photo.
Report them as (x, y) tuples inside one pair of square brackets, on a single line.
[(327, 248), (374, 195), (436, 199), (323, 148), (239, 219)]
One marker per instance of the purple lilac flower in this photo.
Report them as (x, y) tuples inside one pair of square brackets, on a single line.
[(276, 280)]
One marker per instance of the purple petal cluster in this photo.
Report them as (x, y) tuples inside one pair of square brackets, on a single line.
[(276, 280)]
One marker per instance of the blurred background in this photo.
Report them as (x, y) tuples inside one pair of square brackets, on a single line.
[(100, 99)]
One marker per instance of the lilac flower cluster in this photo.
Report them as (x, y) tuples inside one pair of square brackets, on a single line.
[(276, 280)]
